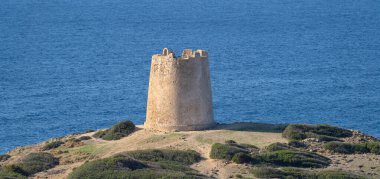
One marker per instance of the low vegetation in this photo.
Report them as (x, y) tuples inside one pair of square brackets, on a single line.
[(278, 158), (29, 165), (258, 127), (319, 131), (296, 144), (37, 162), (337, 175), (187, 157), (117, 131), (279, 146), (82, 138), (238, 153), (295, 159), (92, 149), (241, 158), (226, 151), (112, 167), (373, 147), (141, 164), (11, 172), (52, 145), (4, 157), (351, 148), (269, 172), (276, 154), (285, 173)]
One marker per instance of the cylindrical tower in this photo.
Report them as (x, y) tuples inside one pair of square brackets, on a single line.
[(179, 96)]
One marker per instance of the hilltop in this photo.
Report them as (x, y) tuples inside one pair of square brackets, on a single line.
[(248, 150)]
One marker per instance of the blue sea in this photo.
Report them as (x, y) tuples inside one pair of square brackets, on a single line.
[(71, 65)]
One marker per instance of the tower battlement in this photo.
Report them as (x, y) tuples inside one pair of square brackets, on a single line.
[(179, 95), (187, 54)]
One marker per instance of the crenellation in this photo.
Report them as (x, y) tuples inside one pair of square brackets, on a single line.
[(197, 55), (167, 51), (187, 54), (203, 53)]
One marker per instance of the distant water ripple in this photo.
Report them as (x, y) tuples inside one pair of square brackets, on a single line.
[(71, 65)]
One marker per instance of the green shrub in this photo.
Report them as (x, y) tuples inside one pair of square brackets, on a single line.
[(268, 172), (323, 129), (30, 164), (257, 127), (100, 134), (124, 128), (245, 147), (134, 174), (82, 138), (293, 135), (346, 148), (155, 155), (117, 131), (295, 159), (291, 172), (238, 153), (52, 145), (322, 132), (351, 148), (337, 175), (276, 153), (113, 136), (230, 142), (287, 173), (242, 146), (243, 158), (11, 172), (37, 162), (4, 157), (373, 147), (225, 151), (296, 144), (106, 168), (278, 146), (155, 164), (248, 147), (161, 174)]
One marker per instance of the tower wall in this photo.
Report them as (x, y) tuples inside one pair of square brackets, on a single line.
[(179, 96)]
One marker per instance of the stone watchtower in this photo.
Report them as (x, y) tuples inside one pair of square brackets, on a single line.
[(179, 96)]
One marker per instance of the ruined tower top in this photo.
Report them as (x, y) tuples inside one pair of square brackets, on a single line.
[(186, 54), (179, 95)]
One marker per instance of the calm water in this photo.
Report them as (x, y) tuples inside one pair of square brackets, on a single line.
[(71, 65)]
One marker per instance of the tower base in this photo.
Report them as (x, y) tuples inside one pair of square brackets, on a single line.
[(173, 128)]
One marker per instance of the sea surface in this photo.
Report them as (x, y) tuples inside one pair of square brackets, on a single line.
[(71, 65)]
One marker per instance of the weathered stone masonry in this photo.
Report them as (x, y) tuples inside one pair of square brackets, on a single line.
[(179, 96)]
